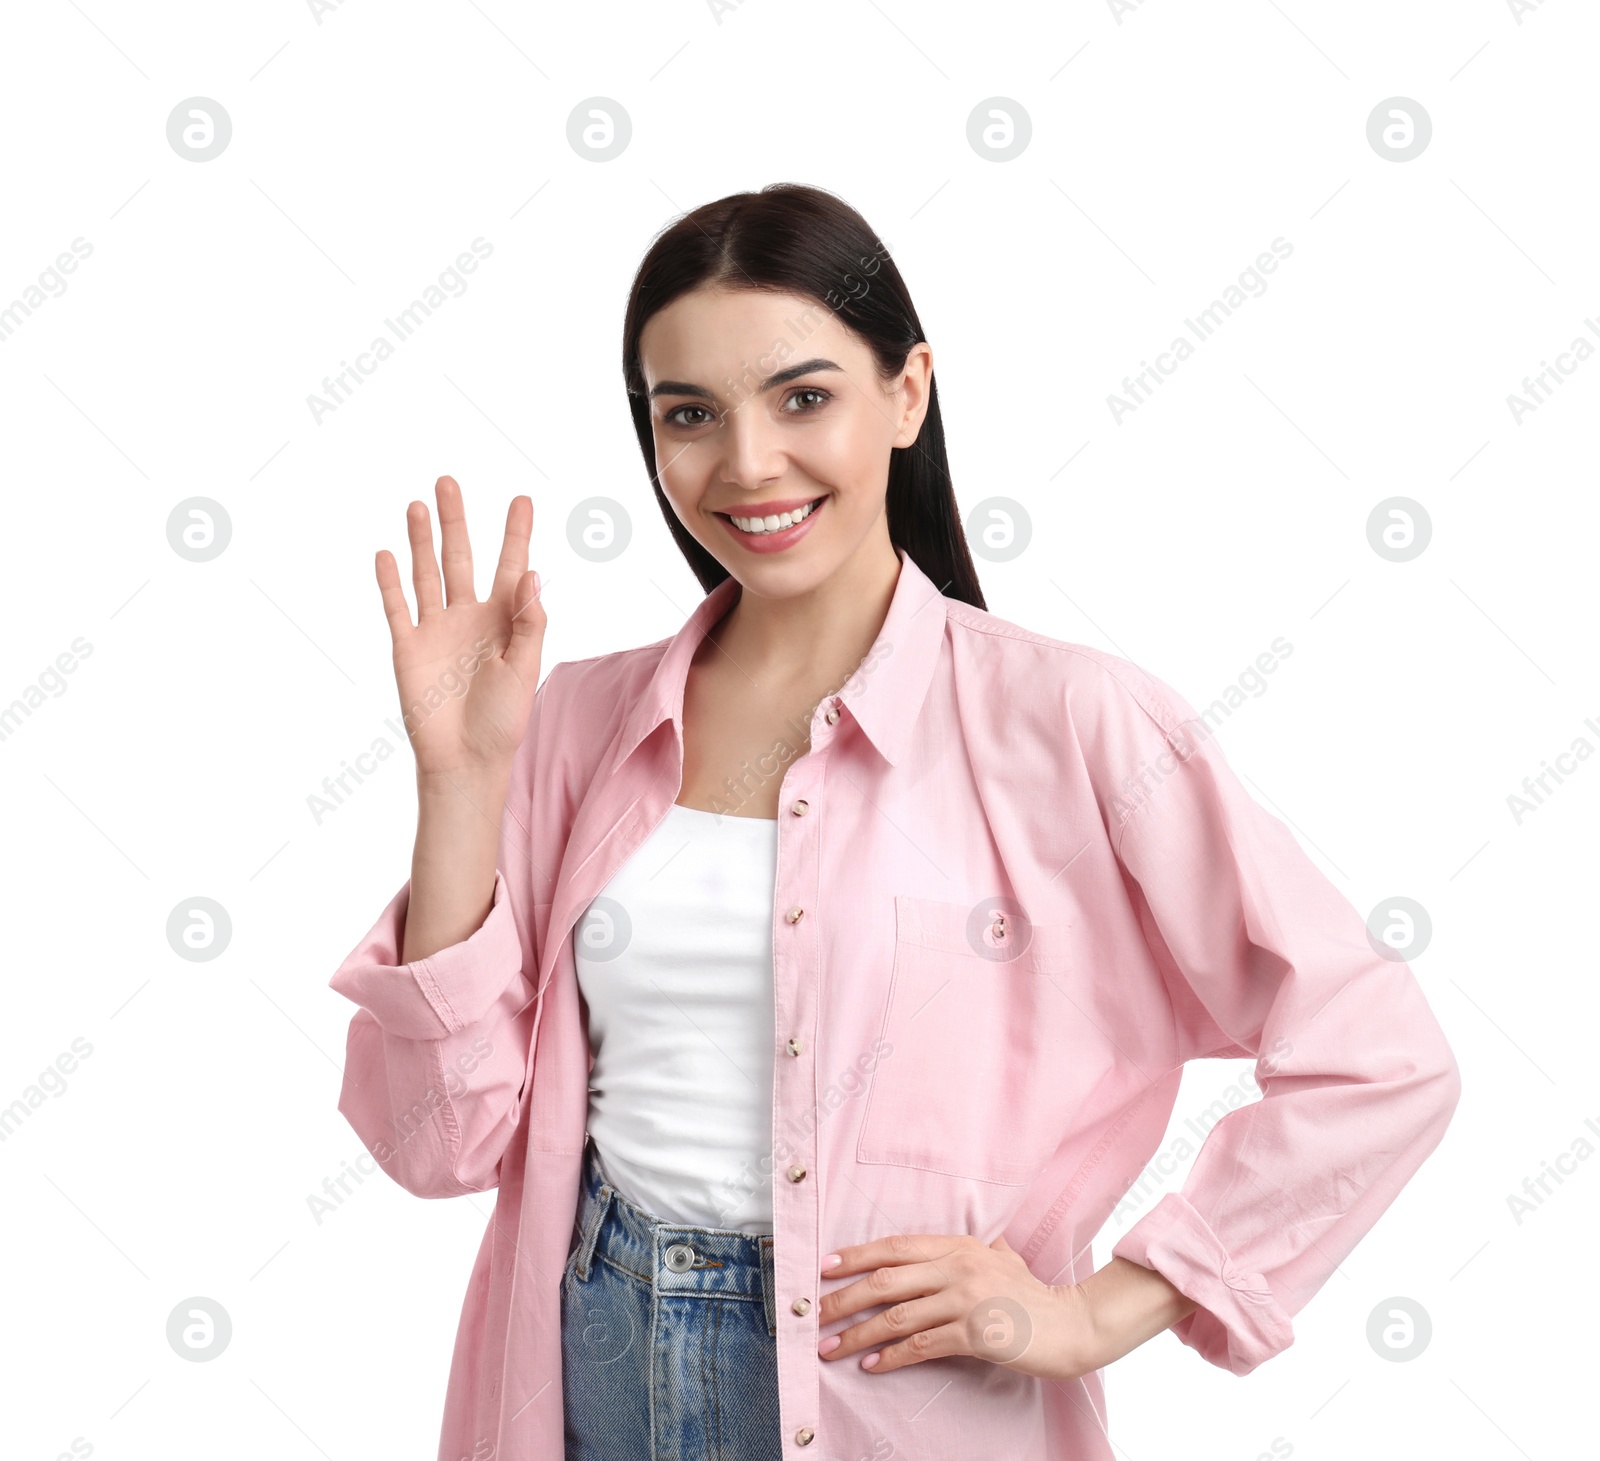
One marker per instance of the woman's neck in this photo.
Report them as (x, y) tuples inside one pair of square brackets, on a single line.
[(817, 636)]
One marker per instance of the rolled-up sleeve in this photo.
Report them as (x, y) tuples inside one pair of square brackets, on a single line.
[(1263, 957), (437, 1054)]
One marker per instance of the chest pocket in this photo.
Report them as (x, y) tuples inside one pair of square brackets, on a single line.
[(969, 1082)]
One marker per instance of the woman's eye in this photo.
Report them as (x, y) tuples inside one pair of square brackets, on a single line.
[(813, 398), (822, 397), (673, 417)]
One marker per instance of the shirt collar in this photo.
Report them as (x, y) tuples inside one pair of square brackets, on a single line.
[(884, 695)]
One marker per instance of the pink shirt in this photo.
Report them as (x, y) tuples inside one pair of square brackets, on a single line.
[(1017, 888)]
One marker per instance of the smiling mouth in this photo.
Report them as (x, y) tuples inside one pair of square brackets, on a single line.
[(776, 523)]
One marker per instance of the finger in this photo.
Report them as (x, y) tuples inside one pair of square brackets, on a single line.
[(455, 545), (896, 1324), (395, 608), (527, 629), (896, 1248), (885, 1285), (513, 548), (424, 570), (926, 1344)]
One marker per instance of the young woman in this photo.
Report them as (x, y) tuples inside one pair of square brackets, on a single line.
[(813, 983)]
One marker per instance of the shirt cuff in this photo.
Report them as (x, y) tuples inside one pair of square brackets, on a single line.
[(1239, 1323), (443, 993)]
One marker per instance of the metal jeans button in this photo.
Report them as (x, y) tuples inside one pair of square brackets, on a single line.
[(679, 1257)]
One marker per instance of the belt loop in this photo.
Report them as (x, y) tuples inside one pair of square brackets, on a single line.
[(597, 1208), (769, 1285)]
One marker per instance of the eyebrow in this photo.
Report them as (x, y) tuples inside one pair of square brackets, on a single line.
[(783, 377)]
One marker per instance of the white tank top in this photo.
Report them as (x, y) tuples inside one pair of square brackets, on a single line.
[(674, 960)]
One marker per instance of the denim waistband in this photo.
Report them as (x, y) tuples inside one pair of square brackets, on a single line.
[(679, 1259)]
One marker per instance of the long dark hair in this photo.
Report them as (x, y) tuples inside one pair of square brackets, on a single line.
[(802, 240)]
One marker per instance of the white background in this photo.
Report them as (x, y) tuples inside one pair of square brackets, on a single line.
[(1169, 148)]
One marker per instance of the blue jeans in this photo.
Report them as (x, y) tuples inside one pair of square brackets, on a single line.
[(668, 1336)]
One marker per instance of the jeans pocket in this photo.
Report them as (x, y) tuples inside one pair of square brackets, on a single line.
[(574, 1247)]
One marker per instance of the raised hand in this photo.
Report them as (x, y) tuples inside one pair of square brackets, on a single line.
[(467, 669)]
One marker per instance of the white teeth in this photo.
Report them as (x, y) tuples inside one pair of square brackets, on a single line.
[(772, 524)]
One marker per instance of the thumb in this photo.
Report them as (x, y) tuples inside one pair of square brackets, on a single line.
[(527, 624), (1001, 1244)]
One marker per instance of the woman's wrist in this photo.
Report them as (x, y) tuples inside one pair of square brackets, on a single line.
[(474, 781), (453, 861), (1123, 1305)]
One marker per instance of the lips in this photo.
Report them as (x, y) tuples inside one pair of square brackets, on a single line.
[(775, 519), (776, 539)]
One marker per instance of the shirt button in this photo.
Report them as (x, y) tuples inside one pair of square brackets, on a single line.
[(832, 715), (804, 1436), (799, 808), (796, 914), (794, 1046), (797, 1174), (801, 1306)]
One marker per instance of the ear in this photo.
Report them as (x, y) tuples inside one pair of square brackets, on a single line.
[(916, 381)]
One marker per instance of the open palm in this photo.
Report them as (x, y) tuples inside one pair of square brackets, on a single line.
[(467, 669)]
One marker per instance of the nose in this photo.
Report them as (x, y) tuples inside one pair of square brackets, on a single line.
[(751, 446)]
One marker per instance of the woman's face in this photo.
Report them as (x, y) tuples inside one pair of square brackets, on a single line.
[(764, 405)]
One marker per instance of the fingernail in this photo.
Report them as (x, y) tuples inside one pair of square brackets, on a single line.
[(831, 1343), (833, 1260), (536, 585), (869, 1361)]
